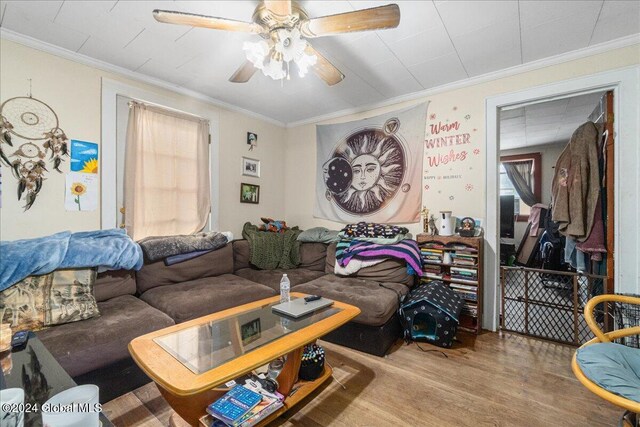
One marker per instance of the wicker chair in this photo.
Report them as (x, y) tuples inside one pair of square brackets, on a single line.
[(631, 417)]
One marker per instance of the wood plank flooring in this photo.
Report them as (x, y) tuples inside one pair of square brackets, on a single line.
[(492, 380)]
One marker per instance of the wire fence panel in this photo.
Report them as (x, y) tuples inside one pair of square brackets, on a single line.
[(548, 304)]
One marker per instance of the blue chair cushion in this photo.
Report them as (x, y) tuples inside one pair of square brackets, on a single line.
[(614, 367)]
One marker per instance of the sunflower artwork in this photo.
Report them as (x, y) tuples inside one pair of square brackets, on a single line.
[(84, 156), (81, 192), (78, 189)]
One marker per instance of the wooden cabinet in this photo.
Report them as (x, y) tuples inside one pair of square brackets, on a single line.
[(457, 261)]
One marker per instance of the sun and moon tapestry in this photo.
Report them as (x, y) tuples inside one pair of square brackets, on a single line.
[(371, 169)]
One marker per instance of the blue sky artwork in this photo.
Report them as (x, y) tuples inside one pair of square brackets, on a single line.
[(84, 156)]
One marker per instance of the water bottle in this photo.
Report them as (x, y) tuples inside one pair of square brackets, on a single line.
[(285, 285)]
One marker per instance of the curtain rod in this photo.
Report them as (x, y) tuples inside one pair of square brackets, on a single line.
[(165, 108)]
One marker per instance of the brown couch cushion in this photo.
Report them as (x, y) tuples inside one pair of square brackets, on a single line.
[(377, 303), (81, 347), (196, 298), (241, 254), (271, 278), (390, 270), (212, 264), (330, 260), (312, 256), (114, 283)]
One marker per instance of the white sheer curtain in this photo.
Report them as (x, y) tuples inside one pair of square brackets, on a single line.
[(166, 175)]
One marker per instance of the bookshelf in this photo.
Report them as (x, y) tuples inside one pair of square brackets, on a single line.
[(457, 261)]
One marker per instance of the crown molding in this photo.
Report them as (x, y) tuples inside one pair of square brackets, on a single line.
[(124, 72), (494, 75)]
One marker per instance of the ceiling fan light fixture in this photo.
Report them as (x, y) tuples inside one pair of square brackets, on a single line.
[(256, 52), (304, 62), (285, 27), (288, 46), (274, 69)]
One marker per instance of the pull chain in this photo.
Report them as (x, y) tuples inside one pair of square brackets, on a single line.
[(29, 88)]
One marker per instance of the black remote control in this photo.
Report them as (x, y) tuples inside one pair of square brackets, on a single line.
[(312, 298)]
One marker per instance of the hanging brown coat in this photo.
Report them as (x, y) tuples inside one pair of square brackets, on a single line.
[(576, 183)]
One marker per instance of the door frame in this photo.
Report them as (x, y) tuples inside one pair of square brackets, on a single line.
[(625, 84)]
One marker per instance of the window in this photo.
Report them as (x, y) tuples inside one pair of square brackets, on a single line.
[(507, 188), (166, 172)]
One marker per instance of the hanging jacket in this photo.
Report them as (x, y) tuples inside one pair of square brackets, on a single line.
[(576, 183)]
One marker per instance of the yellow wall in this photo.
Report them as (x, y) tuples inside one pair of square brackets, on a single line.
[(466, 105), (73, 90)]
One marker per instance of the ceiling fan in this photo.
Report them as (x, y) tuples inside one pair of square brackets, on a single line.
[(284, 27)]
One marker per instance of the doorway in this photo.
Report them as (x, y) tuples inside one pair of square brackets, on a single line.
[(548, 273), (624, 85)]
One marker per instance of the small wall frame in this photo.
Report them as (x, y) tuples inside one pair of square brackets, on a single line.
[(249, 193), (250, 167)]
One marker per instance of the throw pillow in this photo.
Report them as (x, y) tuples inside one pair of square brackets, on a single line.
[(22, 305), (62, 296), (70, 297)]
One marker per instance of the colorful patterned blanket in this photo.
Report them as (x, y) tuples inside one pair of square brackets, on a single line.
[(372, 229), (406, 250)]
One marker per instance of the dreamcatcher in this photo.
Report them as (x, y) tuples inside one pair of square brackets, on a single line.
[(33, 120)]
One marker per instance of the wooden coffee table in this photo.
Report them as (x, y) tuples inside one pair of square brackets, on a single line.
[(191, 362)]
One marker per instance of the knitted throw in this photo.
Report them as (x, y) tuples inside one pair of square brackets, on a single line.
[(269, 251)]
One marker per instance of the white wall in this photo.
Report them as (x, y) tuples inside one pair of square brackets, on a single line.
[(549, 154), (73, 90)]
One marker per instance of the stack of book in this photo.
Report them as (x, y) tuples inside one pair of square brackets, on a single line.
[(432, 253), (470, 309), (466, 292), (432, 271), (464, 258), (243, 406), (464, 274)]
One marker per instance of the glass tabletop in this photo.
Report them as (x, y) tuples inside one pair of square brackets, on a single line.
[(38, 373), (203, 347)]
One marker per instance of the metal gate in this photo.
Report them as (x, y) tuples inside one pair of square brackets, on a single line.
[(548, 304)]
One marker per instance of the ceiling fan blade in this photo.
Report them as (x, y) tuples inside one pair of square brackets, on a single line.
[(244, 73), (376, 18), (195, 20), (325, 69), (279, 7)]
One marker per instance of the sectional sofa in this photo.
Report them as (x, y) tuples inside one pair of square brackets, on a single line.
[(133, 304)]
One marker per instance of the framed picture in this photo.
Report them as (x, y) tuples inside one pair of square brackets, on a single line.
[(250, 167), (252, 139), (249, 193), (250, 331)]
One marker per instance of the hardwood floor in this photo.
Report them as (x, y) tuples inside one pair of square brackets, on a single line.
[(492, 380)]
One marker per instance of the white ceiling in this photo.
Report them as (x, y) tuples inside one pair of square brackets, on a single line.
[(437, 42), (545, 123)]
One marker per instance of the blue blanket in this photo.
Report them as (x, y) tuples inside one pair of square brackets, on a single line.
[(105, 249)]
